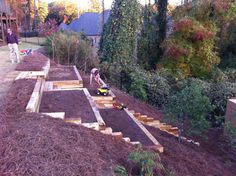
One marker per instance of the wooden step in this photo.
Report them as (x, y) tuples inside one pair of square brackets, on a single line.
[(59, 115), (148, 119), (105, 101), (118, 135), (75, 121), (155, 122), (137, 114), (107, 131), (126, 139), (135, 143)]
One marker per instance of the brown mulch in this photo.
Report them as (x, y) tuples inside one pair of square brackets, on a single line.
[(74, 103), (120, 121), (34, 144), (187, 159), (61, 73), (213, 157), (17, 96), (33, 62)]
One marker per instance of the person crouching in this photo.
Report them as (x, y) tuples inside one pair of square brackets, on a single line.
[(95, 74)]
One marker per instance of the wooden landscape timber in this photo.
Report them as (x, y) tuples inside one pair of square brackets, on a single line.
[(35, 74), (94, 108), (58, 115), (157, 146), (155, 123), (35, 99), (149, 121), (69, 84)]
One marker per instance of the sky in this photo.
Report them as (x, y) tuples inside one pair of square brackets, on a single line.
[(109, 2)]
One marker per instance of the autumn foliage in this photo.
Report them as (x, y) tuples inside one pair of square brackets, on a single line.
[(190, 50)]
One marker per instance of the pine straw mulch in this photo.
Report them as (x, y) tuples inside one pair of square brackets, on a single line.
[(33, 62), (34, 144)]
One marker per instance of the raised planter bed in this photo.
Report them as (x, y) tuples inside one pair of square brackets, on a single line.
[(121, 121), (64, 77), (74, 103), (33, 66)]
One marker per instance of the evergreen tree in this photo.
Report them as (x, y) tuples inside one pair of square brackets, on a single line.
[(162, 28), (120, 33), (147, 51)]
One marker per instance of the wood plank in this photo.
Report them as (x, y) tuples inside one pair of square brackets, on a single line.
[(78, 75), (59, 115), (117, 135), (107, 130), (102, 98), (33, 103), (67, 84), (94, 108), (94, 126), (76, 121), (126, 139), (147, 133)]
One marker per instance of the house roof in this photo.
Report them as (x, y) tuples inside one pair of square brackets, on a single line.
[(90, 23)]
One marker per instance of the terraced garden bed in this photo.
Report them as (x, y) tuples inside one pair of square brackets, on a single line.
[(74, 103)]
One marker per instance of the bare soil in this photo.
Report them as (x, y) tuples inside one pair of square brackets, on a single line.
[(61, 73), (34, 144), (17, 96), (74, 103), (33, 62), (120, 121)]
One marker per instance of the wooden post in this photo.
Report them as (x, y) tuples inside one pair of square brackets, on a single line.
[(3, 37)]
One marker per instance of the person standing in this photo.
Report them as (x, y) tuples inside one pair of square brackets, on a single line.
[(12, 42)]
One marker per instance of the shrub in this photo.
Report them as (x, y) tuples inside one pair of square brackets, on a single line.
[(218, 95), (230, 131), (231, 74), (190, 50), (146, 160), (158, 89), (192, 106), (71, 49)]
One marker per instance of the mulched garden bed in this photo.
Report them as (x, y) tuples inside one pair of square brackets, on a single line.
[(33, 62), (17, 96), (120, 121), (74, 103), (35, 144), (188, 159), (62, 73)]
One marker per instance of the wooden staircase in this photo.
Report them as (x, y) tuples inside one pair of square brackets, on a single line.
[(155, 123)]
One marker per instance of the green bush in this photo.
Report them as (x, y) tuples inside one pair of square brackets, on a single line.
[(218, 95), (231, 75), (158, 90), (146, 160), (192, 105), (69, 48)]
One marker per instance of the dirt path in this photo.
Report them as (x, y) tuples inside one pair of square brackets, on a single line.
[(7, 73)]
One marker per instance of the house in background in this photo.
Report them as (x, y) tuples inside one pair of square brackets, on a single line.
[(90, 24), (7, 20)]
